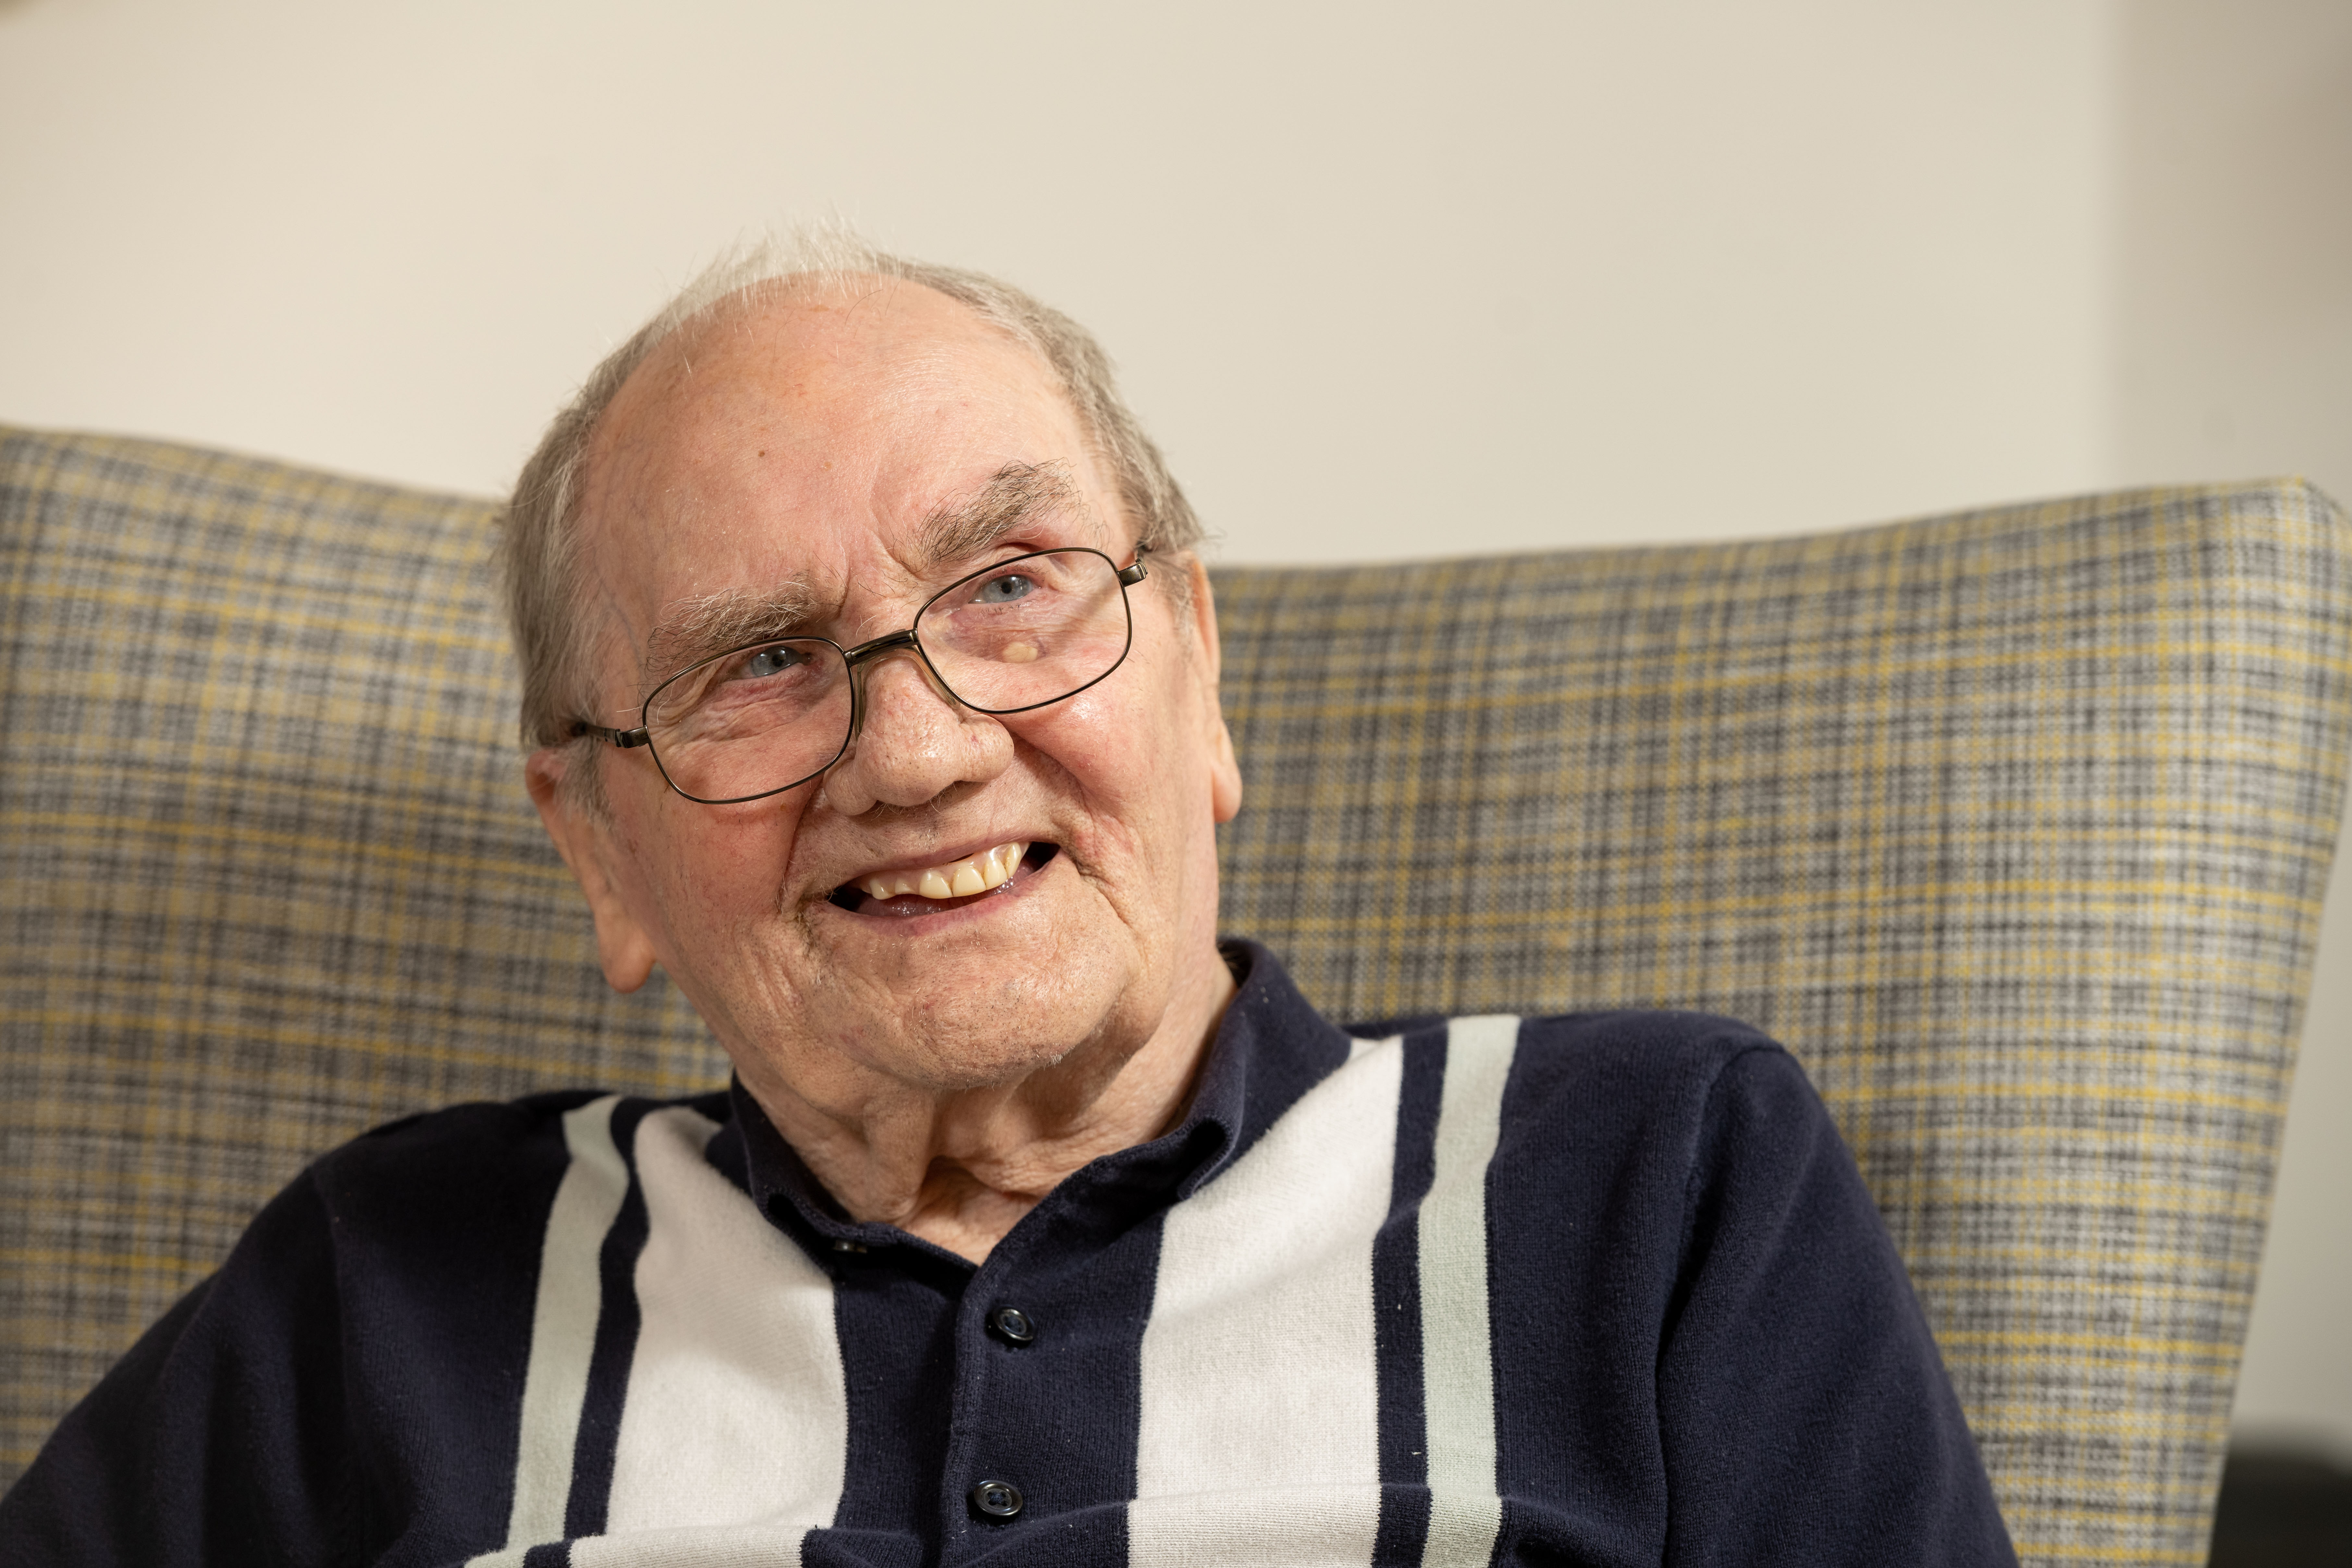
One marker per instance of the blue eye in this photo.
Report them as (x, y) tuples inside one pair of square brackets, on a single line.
[(1005, 589), (772, 661)]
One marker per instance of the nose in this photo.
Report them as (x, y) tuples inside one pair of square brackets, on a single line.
[(913, 741)]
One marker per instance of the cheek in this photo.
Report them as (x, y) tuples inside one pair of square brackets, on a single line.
[(718, 868), (1131, 757)]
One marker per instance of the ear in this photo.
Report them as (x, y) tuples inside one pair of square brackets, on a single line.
[(585, 842), (1225, 769)]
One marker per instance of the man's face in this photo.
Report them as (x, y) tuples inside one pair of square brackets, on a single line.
[(834, 460)]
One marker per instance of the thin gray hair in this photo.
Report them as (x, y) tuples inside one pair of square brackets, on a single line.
[(539, 554)]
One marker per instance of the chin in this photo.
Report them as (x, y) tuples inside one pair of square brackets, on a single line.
[(1021, 1025)]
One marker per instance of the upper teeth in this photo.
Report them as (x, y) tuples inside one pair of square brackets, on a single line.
[(957, 880)]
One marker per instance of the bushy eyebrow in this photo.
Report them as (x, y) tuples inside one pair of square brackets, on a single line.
[(692, 630), (1016, 495)]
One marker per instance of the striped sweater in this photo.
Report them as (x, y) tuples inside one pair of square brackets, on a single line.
[(1599, 1289)]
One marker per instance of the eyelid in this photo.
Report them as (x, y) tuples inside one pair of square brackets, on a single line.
[(1027, 554), (712, 668), (746, 649), (966, 575)]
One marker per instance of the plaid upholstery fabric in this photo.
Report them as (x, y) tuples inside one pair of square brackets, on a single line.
[(2013, 825), (268, 873)]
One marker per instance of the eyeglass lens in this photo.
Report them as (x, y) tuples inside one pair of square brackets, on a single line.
[(1018, 634)]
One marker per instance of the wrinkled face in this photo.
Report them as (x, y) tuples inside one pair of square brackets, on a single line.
[(822, 467)]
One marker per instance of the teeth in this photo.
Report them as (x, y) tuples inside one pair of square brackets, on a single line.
[(957, 880)]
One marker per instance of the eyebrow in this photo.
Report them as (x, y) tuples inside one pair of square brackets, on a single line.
[(692, 630), (1013, 497)]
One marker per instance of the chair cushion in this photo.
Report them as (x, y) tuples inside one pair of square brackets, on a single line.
[(2014, 825)]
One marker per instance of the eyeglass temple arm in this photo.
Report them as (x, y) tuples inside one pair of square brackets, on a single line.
[(1135, 571), (625, 739)]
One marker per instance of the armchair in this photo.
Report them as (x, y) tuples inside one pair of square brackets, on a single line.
[(2013, 824)]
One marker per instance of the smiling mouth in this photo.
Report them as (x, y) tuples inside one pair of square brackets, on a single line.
[(932, 889)]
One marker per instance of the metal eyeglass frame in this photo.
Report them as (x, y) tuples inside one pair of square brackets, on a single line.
[(1127, 576)]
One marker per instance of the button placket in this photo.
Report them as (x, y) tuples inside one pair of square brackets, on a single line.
[(983, 1441)]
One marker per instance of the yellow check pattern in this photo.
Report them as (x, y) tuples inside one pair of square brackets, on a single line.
[(2014, 825)]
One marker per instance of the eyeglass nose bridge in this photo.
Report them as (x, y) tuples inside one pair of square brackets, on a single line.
[(865, 653)]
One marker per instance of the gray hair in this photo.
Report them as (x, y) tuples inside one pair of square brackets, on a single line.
[(539, 557)]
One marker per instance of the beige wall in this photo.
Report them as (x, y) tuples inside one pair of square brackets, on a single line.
[(1385, 279)]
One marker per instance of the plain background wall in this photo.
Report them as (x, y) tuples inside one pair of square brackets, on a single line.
[(1384, 280)]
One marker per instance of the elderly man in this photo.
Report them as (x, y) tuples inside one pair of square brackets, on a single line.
[(872, 681)]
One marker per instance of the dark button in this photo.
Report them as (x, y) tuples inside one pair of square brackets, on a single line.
[(998, 1499), (848, 1246), (1013, 1325)]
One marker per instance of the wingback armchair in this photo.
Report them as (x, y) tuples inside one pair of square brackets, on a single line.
[(2013, 824)]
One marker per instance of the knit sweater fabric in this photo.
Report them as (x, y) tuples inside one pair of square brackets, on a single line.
[(1603, 1289)]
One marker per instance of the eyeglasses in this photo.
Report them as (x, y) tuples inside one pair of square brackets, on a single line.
[(759, 720)]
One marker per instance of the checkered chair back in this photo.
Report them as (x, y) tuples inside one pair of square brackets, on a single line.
[(2013, 824)]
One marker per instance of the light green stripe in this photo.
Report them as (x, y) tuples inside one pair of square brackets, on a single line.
[(1456, 1346)]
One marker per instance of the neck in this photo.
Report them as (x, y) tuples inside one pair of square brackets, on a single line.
[(961, 1168)]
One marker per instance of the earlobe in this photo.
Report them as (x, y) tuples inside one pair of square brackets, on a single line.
[(623, 949), (1225, 776)]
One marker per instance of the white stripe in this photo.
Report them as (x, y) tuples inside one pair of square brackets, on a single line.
[(737, 1413), (1260, 1433), (563, 1326), (731, 1546), (1456, 1346), (1268, 1526)]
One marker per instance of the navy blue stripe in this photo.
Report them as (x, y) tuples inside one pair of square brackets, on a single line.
[(1059, 1417), (597, 1447), (1396, 1298), (454, 1208), (894, 1315), (1598, 1119), (548, 1554)]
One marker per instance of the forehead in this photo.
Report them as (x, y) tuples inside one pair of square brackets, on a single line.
[(808, 436)]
